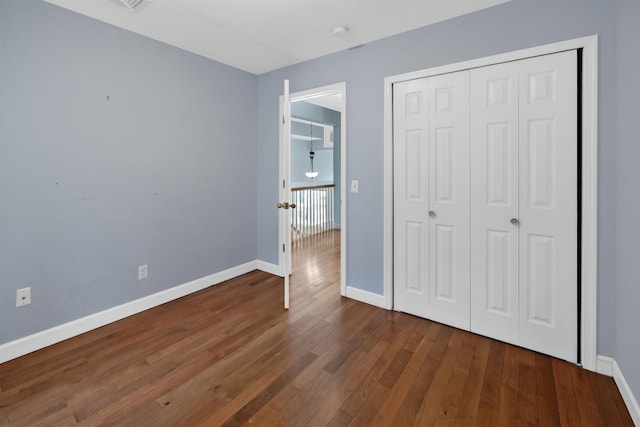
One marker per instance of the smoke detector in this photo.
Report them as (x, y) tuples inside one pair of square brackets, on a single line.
[(127, 4)]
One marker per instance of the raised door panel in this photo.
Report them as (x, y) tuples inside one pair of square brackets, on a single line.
[(494, 201), (548, 249), (411, 197), (448, 129)]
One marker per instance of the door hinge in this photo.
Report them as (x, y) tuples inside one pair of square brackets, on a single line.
[(283, 247), (283, 120), (283, 183)]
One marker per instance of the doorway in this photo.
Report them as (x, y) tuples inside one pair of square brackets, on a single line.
[(317, 117)]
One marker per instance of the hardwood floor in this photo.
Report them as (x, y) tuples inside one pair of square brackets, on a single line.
[(230, 355)]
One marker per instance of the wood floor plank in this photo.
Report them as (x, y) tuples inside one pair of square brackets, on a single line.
[(492, 386), (585, 400), (230, 355), (548, 414), (527, 389), (567, 405), (508, 409), (451, 401), (429, 409), (388, 411), (604, 399), (470, 399)]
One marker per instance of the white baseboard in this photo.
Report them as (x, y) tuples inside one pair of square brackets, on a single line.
[(365, 296), (604, 365), (267, 267), (627, 394), (30, 343)]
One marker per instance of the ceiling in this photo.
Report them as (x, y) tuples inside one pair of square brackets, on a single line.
[(263, 35)]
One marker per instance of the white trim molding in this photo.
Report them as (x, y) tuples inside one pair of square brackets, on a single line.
[(604, 365), (39, 340), (589, 261), (366, 297), (627, 395), (268, 267)]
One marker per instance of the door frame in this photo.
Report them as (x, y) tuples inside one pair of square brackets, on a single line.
[(589, 167), (285, 159)]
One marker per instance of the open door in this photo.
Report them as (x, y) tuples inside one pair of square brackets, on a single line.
[(284, 186)]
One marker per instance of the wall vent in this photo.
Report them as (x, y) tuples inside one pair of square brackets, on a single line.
[(128, 4)]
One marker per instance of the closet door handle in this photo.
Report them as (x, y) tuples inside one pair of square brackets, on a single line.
[(432, 214), (515, 221)]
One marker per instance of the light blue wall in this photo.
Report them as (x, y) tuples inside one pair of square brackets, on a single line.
[(627, 345), (91, 188), (515, 25)]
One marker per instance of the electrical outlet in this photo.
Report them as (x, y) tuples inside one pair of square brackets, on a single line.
[(23, 297), (354, 186), (143, 272)]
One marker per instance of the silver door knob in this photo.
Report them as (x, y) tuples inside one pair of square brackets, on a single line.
[(515, 221), (432, 214)]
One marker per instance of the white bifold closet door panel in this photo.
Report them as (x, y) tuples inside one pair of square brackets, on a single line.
[(448, 126), (431, 198), (411, 197), (494, 201), (549, 204), (524, 206)]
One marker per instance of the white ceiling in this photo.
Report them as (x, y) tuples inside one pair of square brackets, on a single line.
[(263, 35)]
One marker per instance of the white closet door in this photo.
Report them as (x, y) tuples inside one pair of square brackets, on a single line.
[(548, 204), (494, 201), (411, 197), (448, 127)]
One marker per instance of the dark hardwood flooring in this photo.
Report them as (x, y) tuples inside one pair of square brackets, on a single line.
[(230, 355)]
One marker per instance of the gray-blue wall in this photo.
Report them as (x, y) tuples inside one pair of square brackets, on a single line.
[(515, 25), (92, 187), (627, 188)]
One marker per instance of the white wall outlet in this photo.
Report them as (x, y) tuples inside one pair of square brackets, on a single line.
[(354, 185), (23, 297), (143, 272)]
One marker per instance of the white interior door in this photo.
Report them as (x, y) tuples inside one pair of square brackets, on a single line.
[(494, 201), (548, 212), (284, 190), (411, 197), (448, 127)]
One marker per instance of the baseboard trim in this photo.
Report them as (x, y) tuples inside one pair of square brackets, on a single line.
[(267, 267), (365, 296), (30, 343), (627, 394), (604, 365)]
